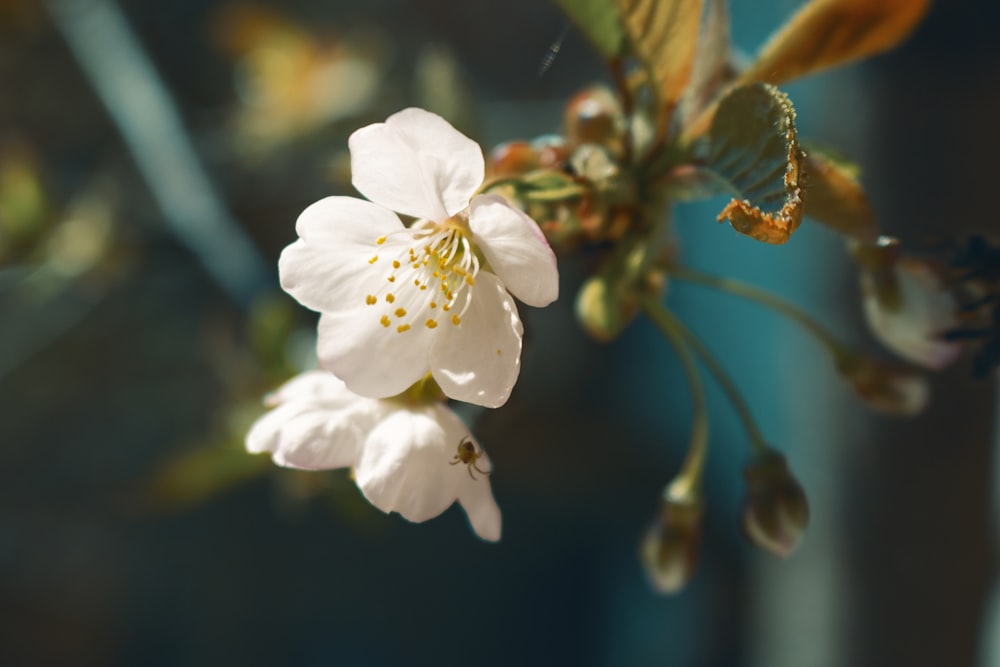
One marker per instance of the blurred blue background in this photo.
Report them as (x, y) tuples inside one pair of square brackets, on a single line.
[(137, 337)]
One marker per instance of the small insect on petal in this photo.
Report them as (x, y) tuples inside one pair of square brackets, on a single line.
[(468, 455)]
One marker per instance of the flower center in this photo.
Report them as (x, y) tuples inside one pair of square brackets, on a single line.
[(428, 279)]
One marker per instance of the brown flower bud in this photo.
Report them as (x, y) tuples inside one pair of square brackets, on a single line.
[(594, 116), (775, 512), (886, 386), (669, 549), (552, 151), (512, 158)]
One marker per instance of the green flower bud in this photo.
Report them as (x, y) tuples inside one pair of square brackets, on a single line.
[(604, 308), (775, 512), (669, 549)]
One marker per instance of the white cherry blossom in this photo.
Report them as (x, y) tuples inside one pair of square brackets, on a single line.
[(400, 302), (912, 323), (414, 460)]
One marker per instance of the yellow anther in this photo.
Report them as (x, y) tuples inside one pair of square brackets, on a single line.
[(416, 281), (431, 324), (455, 319), (434, 304), (385, 321), (380, 240), (470, 280), (446, 307), (403, 327), (395, 263), (392, 279), (371, 300), (390, 297), (373, 259), (423, 287), (400, 312)]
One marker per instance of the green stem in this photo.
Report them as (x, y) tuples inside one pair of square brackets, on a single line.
[(686, 487), (764, 298), (757, 442)]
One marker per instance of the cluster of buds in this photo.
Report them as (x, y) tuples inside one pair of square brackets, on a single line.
[(774, 519)]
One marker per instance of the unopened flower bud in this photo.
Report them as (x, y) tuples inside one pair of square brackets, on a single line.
[(775, 512), (604, 308), (551, 149), (669, 549), (907, 305), (512, 158), (594, 116), (886, 386)]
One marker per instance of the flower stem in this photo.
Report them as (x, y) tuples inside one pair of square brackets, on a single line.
[(686, 486), (765, 298), (757, 442)]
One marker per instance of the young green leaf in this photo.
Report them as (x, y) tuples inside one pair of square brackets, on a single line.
[(599, 21), (754, 148), (663, 34), (827, 33)]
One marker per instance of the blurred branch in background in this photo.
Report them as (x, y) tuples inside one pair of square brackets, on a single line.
[(147, 117)]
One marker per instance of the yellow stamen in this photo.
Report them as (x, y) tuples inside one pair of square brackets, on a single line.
[(400, 312), (373, 259), (395, 263), (390, 297), (455, 319), (392, 279), (431, 324), (385, 321), (371, 300), (434, 304), (403, 327)]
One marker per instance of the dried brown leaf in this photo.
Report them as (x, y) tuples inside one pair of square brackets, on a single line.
[(755, 148), (711, 68), (827, 33), (834, 198), (663, 34)]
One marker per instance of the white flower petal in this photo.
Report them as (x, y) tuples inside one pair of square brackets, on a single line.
[(316, 387), (373, 361), (328, 267), (478, 360), (416, 163), (925, 311), (516, 250), (406, 467), (316, 426)]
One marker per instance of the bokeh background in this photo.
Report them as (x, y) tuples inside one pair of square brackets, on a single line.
[(153, 159)]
